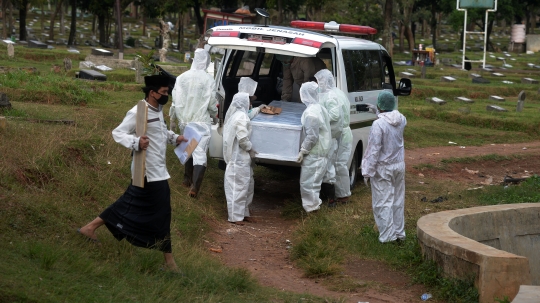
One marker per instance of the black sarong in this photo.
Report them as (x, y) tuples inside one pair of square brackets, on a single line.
[(142, 216)]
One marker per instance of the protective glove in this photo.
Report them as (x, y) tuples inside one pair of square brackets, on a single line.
[(263, 106), (173, 125), (300, 157), (372, 108), (366, 180), (252, 153)]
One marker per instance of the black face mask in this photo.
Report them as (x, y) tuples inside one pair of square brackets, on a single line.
[(163, 99)]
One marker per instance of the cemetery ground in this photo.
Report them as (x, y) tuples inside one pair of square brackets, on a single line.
[(55, 177)]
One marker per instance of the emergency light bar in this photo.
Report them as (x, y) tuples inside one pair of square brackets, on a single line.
[(334, 27)]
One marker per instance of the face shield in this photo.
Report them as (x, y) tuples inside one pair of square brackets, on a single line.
[(308, 93)]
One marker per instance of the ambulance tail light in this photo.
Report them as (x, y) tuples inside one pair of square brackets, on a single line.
[(225, 34), (306, 42)]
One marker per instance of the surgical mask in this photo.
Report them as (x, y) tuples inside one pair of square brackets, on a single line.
[(163, 99)]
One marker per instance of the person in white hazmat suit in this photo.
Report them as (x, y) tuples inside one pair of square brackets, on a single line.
[(194, 102), (329, 100), (315, 147), (343, 184), (384, 165), (248, 85), (238, 154)]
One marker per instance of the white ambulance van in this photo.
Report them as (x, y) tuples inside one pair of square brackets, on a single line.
[(361, 68)]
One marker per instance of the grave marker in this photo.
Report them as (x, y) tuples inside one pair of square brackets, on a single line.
[(406, 75), (447, 79), (497, 74), (423, 75), (10, 50), (480, 80), (521, 101), (529, 81), (37, 44), (101, 52), (464, 99), (67, 64), (4, 101), (496, 98), (436, 100), (495, 108), (473, 75)]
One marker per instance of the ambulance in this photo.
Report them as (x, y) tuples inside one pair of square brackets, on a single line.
[(361, 68)]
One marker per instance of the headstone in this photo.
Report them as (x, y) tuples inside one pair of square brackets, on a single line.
[(423, 75), (495, 108), (521, 101), (507, 82), (464, 99), (447, 79), (496, 98), (37, 44), (497, 74), (10, 50), (91, 75), (524, 80), (480, 80), (4, 101), (67, 64), (456, 65), (473, 75), (500, 58), (102, 52), (406, 75), (436, 100), (487, 69)]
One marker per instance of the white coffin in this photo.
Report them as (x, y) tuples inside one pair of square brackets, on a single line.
[(278, 137)]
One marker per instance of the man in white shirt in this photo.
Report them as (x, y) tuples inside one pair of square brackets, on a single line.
[(143, 215)]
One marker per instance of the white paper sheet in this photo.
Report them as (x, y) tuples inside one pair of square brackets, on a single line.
[(190, 133)]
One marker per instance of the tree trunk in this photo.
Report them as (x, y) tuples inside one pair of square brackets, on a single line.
[(144, 24), (181, 32), (62, 29), (42, 19), (53, 17), (119, 37), (101, 29), (434, 24), (280, 12), (94, 19), (410, 37), (401, 37), (200, 21), (22, 20), (4, 23), (73, 25), (387, 31), (10, 20), (488, 34)]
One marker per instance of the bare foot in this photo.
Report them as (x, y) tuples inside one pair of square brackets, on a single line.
[(88, 232), (250, 220)]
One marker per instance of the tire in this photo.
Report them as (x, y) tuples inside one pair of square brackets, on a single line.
[(354, 172)]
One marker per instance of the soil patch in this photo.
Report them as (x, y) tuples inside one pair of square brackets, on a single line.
[(263, 249)]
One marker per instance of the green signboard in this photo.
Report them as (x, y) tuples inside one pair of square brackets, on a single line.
[(476, 3)]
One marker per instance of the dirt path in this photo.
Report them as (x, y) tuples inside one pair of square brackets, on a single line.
[(263, 247)]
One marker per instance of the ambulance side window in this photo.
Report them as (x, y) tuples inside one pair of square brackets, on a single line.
[(363, 69)]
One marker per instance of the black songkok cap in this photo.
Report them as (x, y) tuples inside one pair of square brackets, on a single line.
[(156, 81)]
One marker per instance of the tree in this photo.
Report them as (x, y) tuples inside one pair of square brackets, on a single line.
[(387, 28), (73, 24), (53, 17), (23, 9)]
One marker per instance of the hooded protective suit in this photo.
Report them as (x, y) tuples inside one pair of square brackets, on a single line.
[(238, 179), (194, 101), (330, 100), (384, 164), (247, 85), (342, 185), (315, 147)]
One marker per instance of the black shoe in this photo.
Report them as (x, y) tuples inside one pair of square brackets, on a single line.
[(188, 173), (198, 175)]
